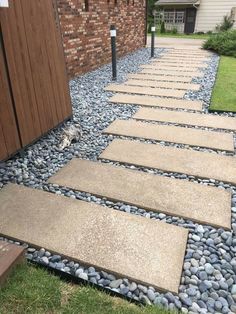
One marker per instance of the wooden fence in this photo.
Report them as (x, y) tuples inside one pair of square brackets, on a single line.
[(34, 88)]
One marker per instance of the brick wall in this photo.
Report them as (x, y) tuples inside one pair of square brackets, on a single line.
[(86, 34)]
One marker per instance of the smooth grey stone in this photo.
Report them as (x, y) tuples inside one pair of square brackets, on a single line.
[(209, 269), (151, 295), (124, 290), (83, 276), (145, 300), (55, 258), (44, 260), (203, 275), (133, 286), (115, 283), (185, 299)]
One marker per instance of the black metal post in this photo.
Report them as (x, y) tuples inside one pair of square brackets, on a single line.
[(113, 51), (153, 30)]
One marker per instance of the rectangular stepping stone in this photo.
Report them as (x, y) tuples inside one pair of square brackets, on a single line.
[(122, 88), (181, 65), (187, 53), (148, 101), (190, 162), (174, 134), (183, 58), (156, 193), (153, 66), (137, 248), (187, 118), (173, 73), (170, 85), (163, 78), (180, 62)]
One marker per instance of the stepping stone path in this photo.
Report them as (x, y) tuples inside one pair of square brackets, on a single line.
[(140, 249), (174, 134), (190, 162), (148, 101), (143, 250), (157, 193)]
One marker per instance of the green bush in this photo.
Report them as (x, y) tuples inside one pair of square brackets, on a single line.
[(174, 30), (226, 24), (223, 43), (163, 29)]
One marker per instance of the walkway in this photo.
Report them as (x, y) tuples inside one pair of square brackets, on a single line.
[(196, 145)]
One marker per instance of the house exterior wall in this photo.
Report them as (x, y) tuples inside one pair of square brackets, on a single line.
[(211, 12), (86, 34)]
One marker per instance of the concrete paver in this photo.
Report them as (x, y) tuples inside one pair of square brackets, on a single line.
[(187, 118), (179, 65), (163, 78), (173, 73), (154, 66), (190, 162), (174, 134), (149, 101), (156, 193), (158, 84), (122, 88), (180, 61), (140, 249)]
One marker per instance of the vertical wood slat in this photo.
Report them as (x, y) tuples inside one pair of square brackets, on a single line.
[(9, 138), (20, 72), (36, 67)]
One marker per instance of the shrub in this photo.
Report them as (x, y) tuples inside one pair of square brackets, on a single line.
[(226, 24), (223, 43), (174, 30), (163, 29)]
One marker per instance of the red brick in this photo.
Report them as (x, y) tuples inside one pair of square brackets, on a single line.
[(86, 36)]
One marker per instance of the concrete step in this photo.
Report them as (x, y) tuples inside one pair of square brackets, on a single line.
[(173, 134), (148, 101), (190, 162), (207, 205), (10, 256), (122, 88), (132, 247), (187, 118), (168, 85)]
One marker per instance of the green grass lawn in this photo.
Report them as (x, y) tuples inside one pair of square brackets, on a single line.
[(191, 36), (33, 290), (224, 92)]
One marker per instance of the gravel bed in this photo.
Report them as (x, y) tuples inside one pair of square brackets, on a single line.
[(208, 282)]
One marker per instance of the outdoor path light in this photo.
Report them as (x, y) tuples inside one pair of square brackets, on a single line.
[(113, 51), (153, 30)]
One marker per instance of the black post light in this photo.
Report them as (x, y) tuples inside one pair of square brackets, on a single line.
[(113, 51)]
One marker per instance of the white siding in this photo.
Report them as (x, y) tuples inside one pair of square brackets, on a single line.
[(211, 12)]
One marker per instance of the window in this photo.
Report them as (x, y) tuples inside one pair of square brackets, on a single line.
[(169, 17), (179, 17)]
